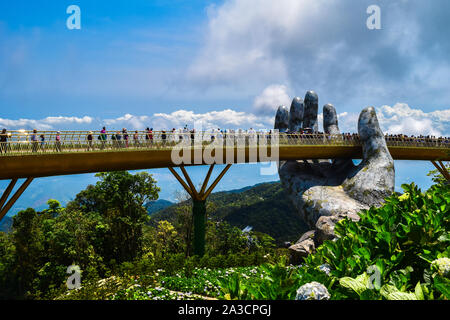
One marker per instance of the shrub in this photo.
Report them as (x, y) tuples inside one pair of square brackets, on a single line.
[(401, 239)]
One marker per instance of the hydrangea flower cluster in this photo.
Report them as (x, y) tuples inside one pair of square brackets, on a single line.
[(442, 265), (312, 291)]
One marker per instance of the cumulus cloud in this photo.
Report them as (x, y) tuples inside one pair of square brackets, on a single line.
[(129, 121), (401, 118), (325, 46), (271, 98), (47, 123), (226, 119)]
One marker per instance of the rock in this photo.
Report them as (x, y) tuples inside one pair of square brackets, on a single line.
[(287, 244), (307, 235), (302, 248), (312, 291), (325, 229), (325, 226)]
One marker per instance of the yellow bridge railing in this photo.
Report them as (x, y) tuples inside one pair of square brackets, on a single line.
[(27, 142)]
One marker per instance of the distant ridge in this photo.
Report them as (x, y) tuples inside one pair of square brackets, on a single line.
[(154, 206), (6, 224), (264, 206), (248, 187)]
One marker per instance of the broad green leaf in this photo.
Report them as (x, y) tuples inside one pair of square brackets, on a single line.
[(392, 293), (443, 285), (358, 285), (418, 292)]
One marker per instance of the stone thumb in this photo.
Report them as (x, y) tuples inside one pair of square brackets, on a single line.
[(371, 137), (374, 178)]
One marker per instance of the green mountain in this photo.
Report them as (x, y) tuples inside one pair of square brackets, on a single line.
[(6, 224), (265, 207), (155, 206)]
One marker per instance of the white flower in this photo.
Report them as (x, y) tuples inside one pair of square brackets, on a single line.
[(312, 291), (325, 268), (443, 266)]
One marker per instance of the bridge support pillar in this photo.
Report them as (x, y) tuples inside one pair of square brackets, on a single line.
[(199, 203), (5, 208), (199, 219)]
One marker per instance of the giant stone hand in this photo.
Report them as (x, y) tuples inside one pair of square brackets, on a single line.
[(324, 191)]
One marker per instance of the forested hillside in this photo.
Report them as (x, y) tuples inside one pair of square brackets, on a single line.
[(157, 205), (264, 207), (105, 233)]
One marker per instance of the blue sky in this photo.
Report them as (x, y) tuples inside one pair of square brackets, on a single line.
[(229, 63)]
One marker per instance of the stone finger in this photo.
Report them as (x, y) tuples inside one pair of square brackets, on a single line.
[(311, 109), (282, 119), (296, 114)]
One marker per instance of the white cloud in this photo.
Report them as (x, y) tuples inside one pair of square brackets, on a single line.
[(411, 126), (226, 119), (325, 46), (44, 124), (401, 118), (240, 37), (129, 121), (271, 98)]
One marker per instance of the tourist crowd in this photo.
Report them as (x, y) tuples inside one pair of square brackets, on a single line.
[(122, 139)]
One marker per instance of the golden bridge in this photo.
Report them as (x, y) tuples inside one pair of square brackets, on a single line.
[(29, 155)]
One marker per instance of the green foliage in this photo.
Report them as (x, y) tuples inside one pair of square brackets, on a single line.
[(104, 231), (276, 283), (397, 251), (265, 207), (28, 240), (401, 239), (101, 228), (119, 198)]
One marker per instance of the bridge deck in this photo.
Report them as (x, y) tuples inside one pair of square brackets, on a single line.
[(76, 161)]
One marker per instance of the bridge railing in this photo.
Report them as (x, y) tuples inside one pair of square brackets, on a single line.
[(26, 142)]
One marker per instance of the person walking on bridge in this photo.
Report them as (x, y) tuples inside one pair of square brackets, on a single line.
[(34, 141), (58, 141), (163, 137), (118, 139), (149, 137), (125, 137), (42, 137), (3, 141), (89, 140), (103, 138), (136, 139)]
